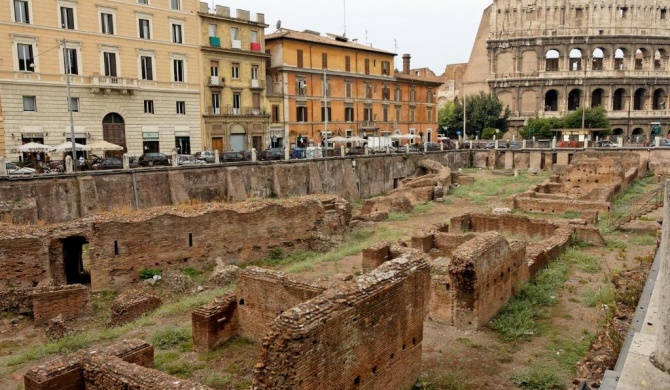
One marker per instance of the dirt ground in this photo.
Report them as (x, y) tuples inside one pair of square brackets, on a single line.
[(452, 359)]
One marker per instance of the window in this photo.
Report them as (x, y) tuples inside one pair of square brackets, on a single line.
[(367, 114), (74, 104), (237, 103), (323, 114), (398, 94), (70, 61), (664, 13), (275, 113), (412, 95), (216, 104), (349, 114), (176, 33), (347, 63), (254, 72), (21, 11), (178, 71), (623, 12), (579, 13), (175, 4), (109, 60), (413, 132), (324, 60), (67, 18), (301, 114), (348, 89), (429, 114), (214, 68), (299, 58), (253, 36), (235, 71), (26, 58), (234, 33), (367, 66), (386, 68), (29, 103), (301, 87), (412, 115), (325, 87), (148, 106), (145, 2), (147, 65), (212, 30), (429, 95), (181, 107), (368, 91), (397, 117), (385, 114), (107, 23), (386, 92), (144, 29)]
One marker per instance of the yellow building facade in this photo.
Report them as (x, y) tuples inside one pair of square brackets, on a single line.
[(134, 69), (234, 98), (363, 95)]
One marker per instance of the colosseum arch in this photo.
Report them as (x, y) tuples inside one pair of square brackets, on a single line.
[(575, 60), (640, 99), (641, 58), (638, 135), (619, 59), (598, 59), (552, 58), (660, 59), (529, 62), (659, 100), (529, 102), (505, 64), (507, 100), (597, 97), (619, 100), (574, 99), (551, 100)]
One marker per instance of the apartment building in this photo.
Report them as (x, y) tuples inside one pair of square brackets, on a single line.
[(350, 85), (134, 70), (234, 108)]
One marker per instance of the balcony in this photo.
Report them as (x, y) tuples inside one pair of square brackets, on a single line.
[(215, 41), (215, 82), (109, 83), (257, 84), (236, 44), (367, 125), (238, 111)]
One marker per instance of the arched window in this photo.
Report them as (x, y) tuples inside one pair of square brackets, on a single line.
[(551, 59)]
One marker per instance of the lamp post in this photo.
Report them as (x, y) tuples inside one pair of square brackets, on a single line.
[(68, 68)]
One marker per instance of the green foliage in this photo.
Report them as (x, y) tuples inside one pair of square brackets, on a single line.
[(192, 272), (644, 239), (395, 217), (215, 379), (276, 256), (422, 208), (483, 111), (169, 363), (583, 261), (543, 127), (171, 337), (468, 343), (488, 133), (603, 295), (539, 377), (148, 273)]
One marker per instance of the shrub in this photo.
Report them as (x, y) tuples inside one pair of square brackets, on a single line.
[(148, 273)]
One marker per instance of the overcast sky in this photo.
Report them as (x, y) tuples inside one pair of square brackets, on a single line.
[(434, 32)]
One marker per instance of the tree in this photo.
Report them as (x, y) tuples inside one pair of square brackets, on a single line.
[(594, 118), (483, 111)]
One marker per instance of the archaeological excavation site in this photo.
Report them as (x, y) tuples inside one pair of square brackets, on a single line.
[(462, 269)]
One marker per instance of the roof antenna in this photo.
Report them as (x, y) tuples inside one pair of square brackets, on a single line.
[(344, 4), (395, 45)]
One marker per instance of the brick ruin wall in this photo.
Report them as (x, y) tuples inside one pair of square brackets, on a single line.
[(346, 338), (131, 305), (214, 323), (70, 301), (121, 245)]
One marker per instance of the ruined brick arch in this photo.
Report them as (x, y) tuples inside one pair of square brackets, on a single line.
[(640, 99), (551, 100), (660, 98), (552, 60)]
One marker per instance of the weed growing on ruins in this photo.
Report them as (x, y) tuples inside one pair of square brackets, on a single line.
[(583, 261), (422, 208), (78, 341), (538, 377), (447, 381), (396, 217), (643, 239), (468, 343), (214, 379), (615, 245), (636, 190), (602, 295), (572, 214), (501, 187), (170, 337), (169, 363), (276, 256), (148, 273), (101, 301)]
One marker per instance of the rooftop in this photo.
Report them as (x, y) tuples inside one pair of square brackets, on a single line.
[(331, 40)]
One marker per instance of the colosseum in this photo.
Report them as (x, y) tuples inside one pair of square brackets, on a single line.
[(545, 58)]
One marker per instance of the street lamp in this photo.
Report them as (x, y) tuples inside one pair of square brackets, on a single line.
[(68, 69)]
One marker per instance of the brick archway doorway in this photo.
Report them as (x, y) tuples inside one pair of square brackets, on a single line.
[(114, 131)]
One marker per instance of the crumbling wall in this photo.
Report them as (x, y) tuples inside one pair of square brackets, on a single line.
[(22, 261), (485, 273), (441, 302), (346, 338), (262, 295), (215, 323), (131, 305), (69, 301)]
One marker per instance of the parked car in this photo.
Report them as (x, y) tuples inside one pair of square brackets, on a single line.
[(189, 160), (151, 159), (606, 144), (490, 145), (12, 169), (234, 157), (271, 154), (665, 143), (110, 163), (430, 146), (206, 156)]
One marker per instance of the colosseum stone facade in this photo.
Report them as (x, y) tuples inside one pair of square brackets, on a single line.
[(545, 58)]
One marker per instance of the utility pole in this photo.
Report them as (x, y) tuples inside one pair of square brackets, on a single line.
[(68, 68), (325, 111), (465, 117)]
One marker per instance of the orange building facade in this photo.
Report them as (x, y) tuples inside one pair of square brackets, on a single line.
[(364, 96)]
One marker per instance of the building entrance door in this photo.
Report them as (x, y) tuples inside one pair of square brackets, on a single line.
[(114, 131), (237, 142), (217, 144)]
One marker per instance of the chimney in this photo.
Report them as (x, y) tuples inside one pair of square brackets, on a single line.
[(405, 63)]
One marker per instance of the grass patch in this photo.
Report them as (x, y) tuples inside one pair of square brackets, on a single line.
[(468, 343), (101, 301), (171, 337), (78, 341), (583, 261), (447, 381), (572, 214), (501, 187), (519, 319), (603, 295), (636, 190), (192, 272), (169, 363), (397, 217), (148, 273), (615, 245), (422, 208), (538, 377), (215, 379), (643, 240)]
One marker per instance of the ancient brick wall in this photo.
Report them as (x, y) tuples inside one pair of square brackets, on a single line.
[(375, 256), (131, 305), (16, 300), (441, 302), (262, 295), (485, 273), (22, 262), (346, 338), (215, 323), (67, 373), (69, 301)]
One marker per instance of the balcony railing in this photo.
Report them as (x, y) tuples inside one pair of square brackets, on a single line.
[(215, 81), (368, 125), (238, 111), (114, 82), (258, 84)]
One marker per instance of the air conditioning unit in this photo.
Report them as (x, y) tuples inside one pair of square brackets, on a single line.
[(214, 80), (237, 44)]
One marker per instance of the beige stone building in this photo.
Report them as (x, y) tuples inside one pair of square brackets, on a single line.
[(549, 57), (134, 68), (234, 108)]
